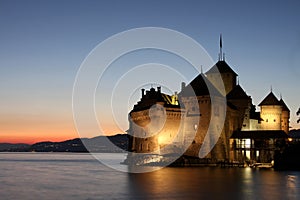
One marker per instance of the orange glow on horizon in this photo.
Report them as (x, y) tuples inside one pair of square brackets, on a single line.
[(55, 133)]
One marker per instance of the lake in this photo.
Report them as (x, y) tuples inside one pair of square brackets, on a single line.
[(80, 176)]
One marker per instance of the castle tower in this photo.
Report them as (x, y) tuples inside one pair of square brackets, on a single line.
[(271, 113), (238, 97), (197, 98), (227, 74), (285, 117), (154, 123)]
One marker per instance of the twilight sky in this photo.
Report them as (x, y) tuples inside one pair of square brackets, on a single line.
[(43, 43)]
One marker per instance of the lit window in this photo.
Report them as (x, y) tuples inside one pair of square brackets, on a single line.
[(195, 126)]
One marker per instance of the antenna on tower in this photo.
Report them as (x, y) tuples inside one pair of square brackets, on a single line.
[(271, 88), (201, 70), (220, 54)]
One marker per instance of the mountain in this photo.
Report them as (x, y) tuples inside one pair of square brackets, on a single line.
[(118, 143), (14, 147)]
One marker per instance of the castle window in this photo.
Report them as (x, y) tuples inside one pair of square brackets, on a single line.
[(195, 126), (266, 120), (274, 120)]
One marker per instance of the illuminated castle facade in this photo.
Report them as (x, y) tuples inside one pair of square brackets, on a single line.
[(164, 124)]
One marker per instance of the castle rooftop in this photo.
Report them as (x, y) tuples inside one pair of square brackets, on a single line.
[(237, 93), (284, 106), (270, 100), (221, 67), (200, 86)]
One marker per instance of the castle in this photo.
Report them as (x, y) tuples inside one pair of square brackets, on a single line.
[(212, 104)]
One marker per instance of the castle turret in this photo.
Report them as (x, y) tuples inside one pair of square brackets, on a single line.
[(221, 68), (271, 112), (285, 116), (227, 74), (204, 105), (154, 122), (238, 97)]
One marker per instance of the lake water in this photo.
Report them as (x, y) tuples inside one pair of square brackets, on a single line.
[(80, 176)]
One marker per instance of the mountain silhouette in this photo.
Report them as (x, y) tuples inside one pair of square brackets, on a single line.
[(96, 144)]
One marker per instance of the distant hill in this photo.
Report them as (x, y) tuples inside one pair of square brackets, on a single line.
[(118, 143), (14, 147)]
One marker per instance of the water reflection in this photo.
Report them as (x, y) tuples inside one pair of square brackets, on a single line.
[(213, 183), (79, 176), (292, 184)]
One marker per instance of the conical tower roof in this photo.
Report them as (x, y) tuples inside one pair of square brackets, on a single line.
[(221, 67), (284, 106), (200, 86), (270, 100), (237, 93)]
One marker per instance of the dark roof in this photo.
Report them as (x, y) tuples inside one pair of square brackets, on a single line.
[(237, 93), (200, 86), (221, 67), (151, 98), (230, 105), (284, 106), (259, 134), (254, 114), (270, 100)]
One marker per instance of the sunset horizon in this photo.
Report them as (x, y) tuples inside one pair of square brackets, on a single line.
[(139, 99)]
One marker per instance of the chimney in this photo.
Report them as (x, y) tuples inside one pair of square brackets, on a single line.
[(159, 89), (143, 92), (182, 85)]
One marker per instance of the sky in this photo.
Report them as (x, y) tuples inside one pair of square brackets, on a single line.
[(44, 43)]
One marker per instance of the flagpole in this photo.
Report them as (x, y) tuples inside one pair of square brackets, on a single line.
[(221, 53)]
